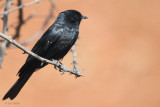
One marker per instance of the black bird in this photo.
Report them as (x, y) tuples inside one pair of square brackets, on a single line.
[(54, 44)]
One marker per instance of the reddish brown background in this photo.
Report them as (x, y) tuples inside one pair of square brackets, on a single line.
[(118, 51)]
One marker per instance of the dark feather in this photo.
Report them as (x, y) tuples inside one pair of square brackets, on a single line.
[(54, 44)]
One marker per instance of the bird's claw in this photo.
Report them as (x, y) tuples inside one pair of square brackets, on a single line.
[(55, 67), (59, 66)]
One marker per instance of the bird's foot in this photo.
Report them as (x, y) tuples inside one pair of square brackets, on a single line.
[(55, 66), (58, 65)]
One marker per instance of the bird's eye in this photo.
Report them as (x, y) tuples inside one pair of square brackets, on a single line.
[(76, 16)]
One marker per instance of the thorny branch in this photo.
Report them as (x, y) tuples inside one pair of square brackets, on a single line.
[(76, 71), (74, 63), (5, 28), (19, 7)]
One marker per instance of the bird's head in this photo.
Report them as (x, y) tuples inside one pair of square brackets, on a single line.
[(72, 17)]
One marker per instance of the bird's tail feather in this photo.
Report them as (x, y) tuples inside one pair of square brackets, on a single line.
[(24, 74), (15, 89)]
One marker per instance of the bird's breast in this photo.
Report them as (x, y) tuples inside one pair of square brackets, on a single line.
[(64, 44)]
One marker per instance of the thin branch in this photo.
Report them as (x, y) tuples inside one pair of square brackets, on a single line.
[(19, 7), (30, 40), (43, 27), (30, 16), (5, 28), (20, 22), (74, 63), (43, 60)]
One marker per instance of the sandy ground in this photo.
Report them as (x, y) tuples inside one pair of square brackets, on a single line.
[(118, 51)]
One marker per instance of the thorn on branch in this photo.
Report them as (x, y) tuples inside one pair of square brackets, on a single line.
[(24, 52)]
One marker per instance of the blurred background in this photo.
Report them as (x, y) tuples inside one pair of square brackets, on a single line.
[(118, 52)]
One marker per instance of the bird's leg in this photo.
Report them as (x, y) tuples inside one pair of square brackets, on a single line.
[(55, 66), (58, 65)]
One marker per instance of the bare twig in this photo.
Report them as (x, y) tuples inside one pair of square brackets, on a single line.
[(30, 40), (5, 28), (43, 60), (20, 20), (74, 63), (19, 7), (30, 16), (43, 27)]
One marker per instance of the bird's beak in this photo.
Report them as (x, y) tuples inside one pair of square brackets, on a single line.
[(84, 17)]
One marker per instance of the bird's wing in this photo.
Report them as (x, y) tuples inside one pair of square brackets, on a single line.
[(48, 39), (40, 48)]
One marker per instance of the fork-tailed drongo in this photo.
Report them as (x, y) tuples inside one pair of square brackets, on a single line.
[(54, 44)]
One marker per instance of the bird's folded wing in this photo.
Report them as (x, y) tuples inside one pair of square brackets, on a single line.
[(48, 39)]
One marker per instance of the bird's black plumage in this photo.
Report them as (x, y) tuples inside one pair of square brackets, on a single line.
[(54, 44)]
